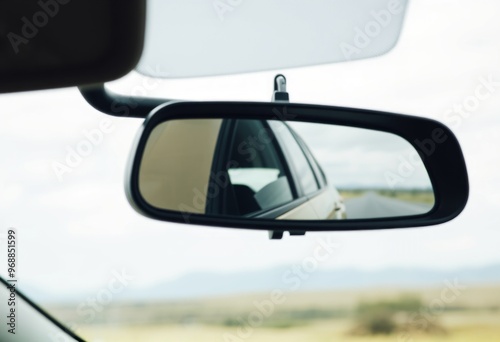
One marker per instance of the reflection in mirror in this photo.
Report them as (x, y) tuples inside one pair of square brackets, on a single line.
[(282, 170)]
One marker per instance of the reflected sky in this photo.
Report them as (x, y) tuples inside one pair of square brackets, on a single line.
[(360, 158)]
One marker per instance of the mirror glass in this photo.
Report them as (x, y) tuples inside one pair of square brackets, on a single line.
[(282, 170), (193, 38)]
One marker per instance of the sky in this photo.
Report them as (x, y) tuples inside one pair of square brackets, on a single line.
[(75, 226)]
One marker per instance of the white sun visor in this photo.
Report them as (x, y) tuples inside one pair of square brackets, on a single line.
[(192, 38)]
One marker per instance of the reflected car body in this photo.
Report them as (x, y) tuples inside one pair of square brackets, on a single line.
[(237, 167)]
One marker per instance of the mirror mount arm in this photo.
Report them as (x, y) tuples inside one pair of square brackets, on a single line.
[(113, 104), (110, 103)]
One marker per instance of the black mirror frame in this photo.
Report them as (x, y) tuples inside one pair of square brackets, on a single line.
[(445, 165)]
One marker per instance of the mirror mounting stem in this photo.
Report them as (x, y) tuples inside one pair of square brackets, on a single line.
[(280, 95)]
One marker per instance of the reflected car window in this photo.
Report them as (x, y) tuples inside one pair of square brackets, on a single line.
[(259, 178), (296, 156)]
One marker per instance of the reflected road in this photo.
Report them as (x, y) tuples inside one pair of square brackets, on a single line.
[(373, 205)]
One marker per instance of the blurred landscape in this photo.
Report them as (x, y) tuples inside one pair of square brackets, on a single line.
[(379, 314), (365, 203), (387, 305), (425, 196)]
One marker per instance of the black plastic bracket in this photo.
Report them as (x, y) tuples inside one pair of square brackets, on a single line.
[(110, 103), (276, 234), (280, 94)]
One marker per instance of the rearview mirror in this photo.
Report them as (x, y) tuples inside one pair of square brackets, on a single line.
[(295, 168)]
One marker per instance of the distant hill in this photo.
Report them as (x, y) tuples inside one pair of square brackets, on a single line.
[(200, 285)]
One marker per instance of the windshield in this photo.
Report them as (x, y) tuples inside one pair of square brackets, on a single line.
[(112, 275)]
